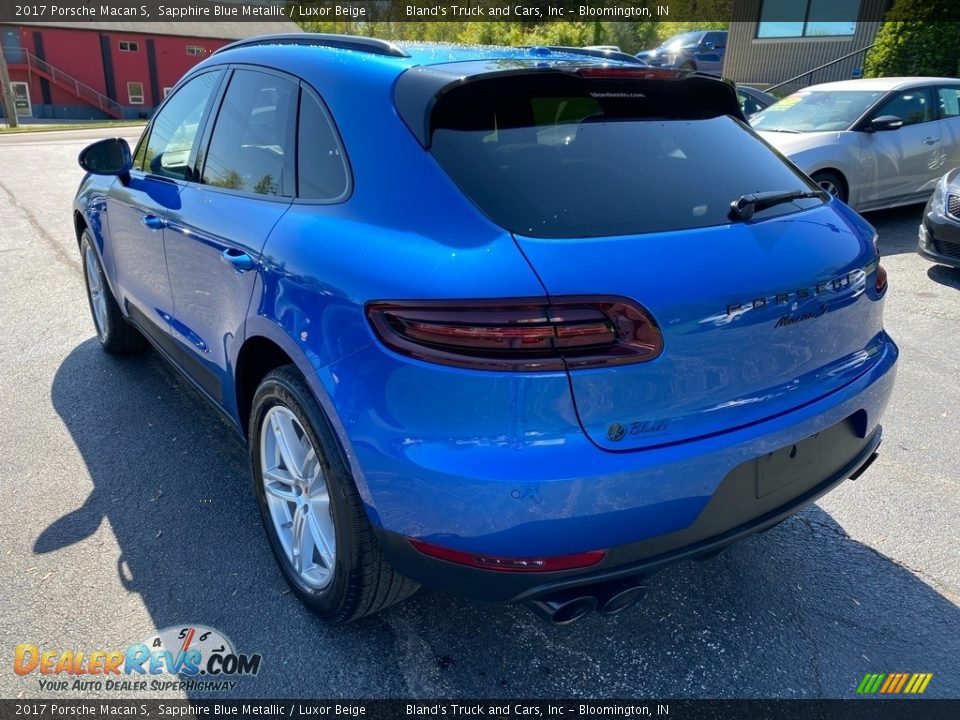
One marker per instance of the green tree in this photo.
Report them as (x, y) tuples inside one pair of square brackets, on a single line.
[(630, 37), (916, 38)]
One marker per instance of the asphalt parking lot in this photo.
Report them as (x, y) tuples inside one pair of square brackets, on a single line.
[(125, 507)]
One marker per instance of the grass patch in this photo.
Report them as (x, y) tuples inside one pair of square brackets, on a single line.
[(52, 127)]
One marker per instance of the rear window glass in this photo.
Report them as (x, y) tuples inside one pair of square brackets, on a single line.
[(578, 158)]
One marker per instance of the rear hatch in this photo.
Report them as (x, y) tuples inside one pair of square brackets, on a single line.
[(756, 320), (618, 185)]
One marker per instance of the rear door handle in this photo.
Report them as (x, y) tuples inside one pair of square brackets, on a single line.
[(931, 141), (153, 222), (238, 260)]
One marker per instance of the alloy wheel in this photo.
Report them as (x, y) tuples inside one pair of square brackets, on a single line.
[(297, 497), (830, 187), (98, 296)]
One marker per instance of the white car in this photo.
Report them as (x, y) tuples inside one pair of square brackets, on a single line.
[(873, 143)]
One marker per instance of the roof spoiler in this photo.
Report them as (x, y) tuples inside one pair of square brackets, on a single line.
[(419, 89)]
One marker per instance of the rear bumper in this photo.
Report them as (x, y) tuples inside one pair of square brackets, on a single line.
[(733, 513), (498, 465), (551, 492)]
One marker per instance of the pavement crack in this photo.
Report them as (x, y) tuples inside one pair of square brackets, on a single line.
[(66, 258), (839, 532)]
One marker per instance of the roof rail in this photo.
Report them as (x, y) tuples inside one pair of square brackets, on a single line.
[(344, 42)]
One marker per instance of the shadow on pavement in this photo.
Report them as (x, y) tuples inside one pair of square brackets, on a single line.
[(798, 612), (897, 228), (945, 275)]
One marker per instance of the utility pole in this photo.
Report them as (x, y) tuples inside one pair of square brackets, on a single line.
[(9, 102)]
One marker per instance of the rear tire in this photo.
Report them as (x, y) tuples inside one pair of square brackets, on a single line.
[(832, 183), (115, 333), (311, 510)]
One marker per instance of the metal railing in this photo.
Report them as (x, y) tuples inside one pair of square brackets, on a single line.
[(20, 56), (819, 67)]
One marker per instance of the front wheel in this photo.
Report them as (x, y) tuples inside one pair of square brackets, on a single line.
[(311, 510), (116, 335), (832, 183)]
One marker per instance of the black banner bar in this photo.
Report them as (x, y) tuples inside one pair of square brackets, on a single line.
[(360, 11), (875, 709)]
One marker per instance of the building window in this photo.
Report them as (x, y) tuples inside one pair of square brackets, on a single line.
[(807, 18), (195, 50), (135, 93), (128, 46)]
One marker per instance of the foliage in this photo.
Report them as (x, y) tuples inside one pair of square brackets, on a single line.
[(628, 36), (916, 38)]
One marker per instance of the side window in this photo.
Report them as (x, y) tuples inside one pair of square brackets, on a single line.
[(140, 154), (911, 106), (251, 148), (949, 101), (322, 172), (174, 129), (716, 38), (748, 105)]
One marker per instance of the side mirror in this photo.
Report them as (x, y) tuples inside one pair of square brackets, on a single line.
[(883, 123), (709, 46), (107, 157)]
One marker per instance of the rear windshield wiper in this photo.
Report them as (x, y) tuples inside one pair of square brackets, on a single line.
[(745, 206)]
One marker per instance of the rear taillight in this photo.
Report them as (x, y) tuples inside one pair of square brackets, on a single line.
[(522, 335), (881, 271), (881, 278), (554, 563)]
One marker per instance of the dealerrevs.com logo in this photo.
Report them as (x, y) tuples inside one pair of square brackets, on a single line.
[(203, 658)]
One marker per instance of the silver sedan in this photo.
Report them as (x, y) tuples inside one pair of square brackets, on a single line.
[(873, 143)]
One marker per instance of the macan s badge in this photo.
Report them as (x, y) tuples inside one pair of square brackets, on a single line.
[(834, 285)]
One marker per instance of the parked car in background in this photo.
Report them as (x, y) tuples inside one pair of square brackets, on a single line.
[(752, 100), (503, 375), (873, 143), (696, 50), (940, 228)]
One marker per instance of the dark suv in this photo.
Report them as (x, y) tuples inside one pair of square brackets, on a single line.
[(697, 50)]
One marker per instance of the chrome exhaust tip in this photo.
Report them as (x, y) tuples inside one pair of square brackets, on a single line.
[(564, 608), (618, 598)]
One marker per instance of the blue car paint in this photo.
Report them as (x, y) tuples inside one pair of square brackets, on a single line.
[(480, 460), (468, 480), (211, 297), (708, 378), (137, 247)]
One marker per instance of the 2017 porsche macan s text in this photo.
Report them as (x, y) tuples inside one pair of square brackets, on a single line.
[(517, 324)]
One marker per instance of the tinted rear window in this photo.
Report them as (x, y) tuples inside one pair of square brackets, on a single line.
[(577, 158)]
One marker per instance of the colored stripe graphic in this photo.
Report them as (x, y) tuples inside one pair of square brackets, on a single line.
[(903, 680), (918, 683), (894, 683), (870, 683)]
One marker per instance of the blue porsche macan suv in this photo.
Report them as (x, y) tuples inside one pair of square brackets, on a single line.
[(514, 323)]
